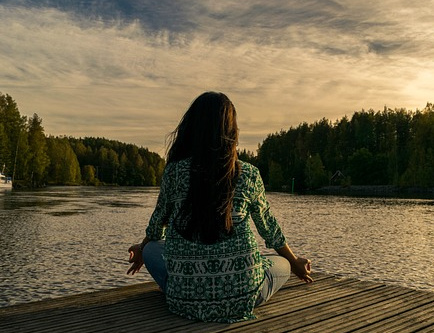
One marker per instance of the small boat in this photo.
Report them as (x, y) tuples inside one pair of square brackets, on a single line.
[(5, 182)]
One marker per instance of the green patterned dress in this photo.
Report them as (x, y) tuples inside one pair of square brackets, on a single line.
[(218, 282)]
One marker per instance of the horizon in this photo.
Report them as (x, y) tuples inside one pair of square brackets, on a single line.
[(332, 122), (127, 71)]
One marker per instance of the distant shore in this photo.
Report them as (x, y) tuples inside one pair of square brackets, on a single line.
[(375, 190), (352, 190)]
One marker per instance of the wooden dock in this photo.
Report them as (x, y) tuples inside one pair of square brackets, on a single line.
[(330, 304)]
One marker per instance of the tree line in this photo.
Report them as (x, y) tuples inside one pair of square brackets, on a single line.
[(388, 147), (34, 159)]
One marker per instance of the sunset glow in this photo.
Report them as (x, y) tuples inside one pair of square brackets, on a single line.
[(127, 70)]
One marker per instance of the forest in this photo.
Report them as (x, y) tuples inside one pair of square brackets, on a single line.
[(388, 147), (33, 159)]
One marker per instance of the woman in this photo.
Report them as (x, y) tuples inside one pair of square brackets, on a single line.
[(199, 246)]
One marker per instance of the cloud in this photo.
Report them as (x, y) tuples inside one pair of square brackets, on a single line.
[(127, 70)]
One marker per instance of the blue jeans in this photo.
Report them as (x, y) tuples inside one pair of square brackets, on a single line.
[(154, 263), (275, 276)]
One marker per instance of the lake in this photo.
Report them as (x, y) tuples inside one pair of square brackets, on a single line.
[(60, 241)]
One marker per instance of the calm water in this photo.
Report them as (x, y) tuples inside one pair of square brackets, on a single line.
[(67, 240)]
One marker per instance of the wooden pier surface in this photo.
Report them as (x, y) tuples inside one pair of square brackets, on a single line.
[(330, 304)]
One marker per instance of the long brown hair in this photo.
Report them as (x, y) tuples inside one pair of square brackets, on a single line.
[(208, 134)]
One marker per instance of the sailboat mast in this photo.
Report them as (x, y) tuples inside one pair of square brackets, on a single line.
[(16, 155)]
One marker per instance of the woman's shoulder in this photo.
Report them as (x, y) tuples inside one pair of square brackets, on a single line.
[(176, 165), (247, 167), (248, 170)]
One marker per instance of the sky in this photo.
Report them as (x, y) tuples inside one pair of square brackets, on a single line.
[(127, 70)]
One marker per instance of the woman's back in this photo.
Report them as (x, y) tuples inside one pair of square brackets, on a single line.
[(199, 247), (220, 281)]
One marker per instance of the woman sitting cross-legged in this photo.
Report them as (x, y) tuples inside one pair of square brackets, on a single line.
[(199, 246)]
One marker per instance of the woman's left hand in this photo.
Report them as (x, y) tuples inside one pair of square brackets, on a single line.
[(301, 267), (135, 259)]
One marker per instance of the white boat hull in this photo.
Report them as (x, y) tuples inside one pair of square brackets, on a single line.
[(5, 182)]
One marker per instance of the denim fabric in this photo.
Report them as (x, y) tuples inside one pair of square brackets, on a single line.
[(154, 262), (275, 278)]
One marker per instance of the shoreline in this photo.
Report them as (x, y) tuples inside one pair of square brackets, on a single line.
[(375, 191), (389, 191)]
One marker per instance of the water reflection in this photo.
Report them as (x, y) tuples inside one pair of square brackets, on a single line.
[(67, 240), (387, 240)]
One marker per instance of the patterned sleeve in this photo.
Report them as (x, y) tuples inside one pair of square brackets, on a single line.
[(265, 222), (158, 222)]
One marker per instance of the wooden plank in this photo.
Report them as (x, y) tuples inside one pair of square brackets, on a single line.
[(171, 325), (423, 322), (418, 317), (356, 319), (83, 317), (297, 317), (53, 313), (96, 297), (271, 314), (172, 322), (329, 305), (63, 315)]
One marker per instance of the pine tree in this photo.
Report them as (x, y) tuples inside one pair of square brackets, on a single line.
[(39, 159)]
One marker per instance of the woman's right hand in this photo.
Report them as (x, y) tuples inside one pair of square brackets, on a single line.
[(135, 259), (301, 267)]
